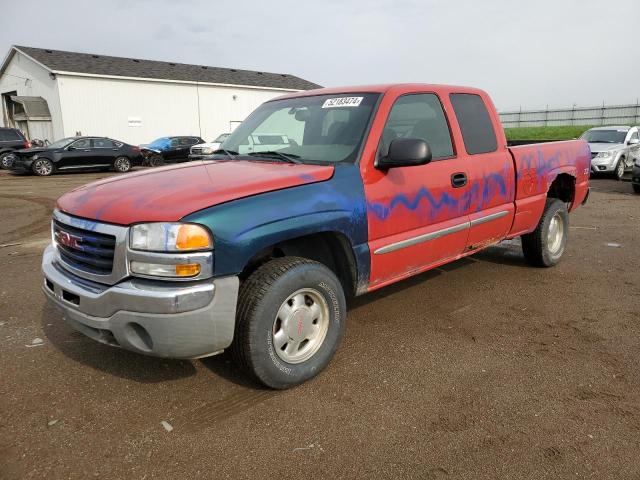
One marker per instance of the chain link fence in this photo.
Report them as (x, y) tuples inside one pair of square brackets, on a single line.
[(602, 115)]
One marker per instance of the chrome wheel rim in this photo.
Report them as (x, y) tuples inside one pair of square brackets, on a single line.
[(43, 167), (300, 326), (620, 169), (555, 234), (122, 164), (7, 160)]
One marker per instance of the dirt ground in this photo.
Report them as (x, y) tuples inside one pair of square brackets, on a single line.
[(485, 368)]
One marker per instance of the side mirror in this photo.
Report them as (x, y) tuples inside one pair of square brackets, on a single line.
[(633, 141), (405, 152)]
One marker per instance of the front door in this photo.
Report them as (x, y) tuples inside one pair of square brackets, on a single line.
[(417, 216), (76, 155)]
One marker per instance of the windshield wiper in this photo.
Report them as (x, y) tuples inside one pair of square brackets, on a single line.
[(229, 153), (288, 157)]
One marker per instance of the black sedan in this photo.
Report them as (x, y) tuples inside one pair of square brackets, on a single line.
[(77, 153)]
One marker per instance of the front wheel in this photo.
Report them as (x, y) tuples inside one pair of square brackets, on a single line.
[(42, 167), (620, 167), (6, 160), (545, 245), (290, 320), (122, 164)]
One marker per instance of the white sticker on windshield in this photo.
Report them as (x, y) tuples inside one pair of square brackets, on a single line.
[(342, 102)]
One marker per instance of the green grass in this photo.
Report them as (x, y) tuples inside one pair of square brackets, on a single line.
[(546, 133)]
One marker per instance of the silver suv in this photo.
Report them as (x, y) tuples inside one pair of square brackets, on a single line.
[(613, 149)]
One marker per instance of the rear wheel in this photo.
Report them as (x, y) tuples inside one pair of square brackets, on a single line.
[(42, 167), (545, 245), (122, 164), (290, 320)]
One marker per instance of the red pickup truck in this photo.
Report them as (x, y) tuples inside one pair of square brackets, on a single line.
[(256, 249)]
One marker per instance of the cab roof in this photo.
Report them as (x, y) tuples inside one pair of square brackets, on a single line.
[(383, 88)]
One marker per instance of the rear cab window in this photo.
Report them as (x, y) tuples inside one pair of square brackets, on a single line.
[(475, 123)]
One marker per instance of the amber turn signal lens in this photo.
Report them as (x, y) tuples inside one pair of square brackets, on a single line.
[(187, 270), (193, 237)]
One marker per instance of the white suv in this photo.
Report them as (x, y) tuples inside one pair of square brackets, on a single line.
[(613, 149)]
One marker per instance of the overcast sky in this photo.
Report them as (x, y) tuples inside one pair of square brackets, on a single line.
[(529, 54)]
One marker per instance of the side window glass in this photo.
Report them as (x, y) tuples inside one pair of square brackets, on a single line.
[(634, 136), (83, 143), (475, 123), (418, 116), (102, 143), (174, 142)]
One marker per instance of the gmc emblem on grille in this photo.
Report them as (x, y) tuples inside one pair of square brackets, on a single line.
[(68, 240)]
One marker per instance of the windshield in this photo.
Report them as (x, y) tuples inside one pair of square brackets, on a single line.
[(324, 128), (160, 142), (62, 143), (604, 136), (221, 138)]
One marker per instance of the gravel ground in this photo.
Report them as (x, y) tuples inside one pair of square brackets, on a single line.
[(485, 368)]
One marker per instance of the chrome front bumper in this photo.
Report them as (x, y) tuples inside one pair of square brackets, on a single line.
[(164, 319)]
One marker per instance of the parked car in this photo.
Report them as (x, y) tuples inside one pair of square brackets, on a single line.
[(258, 252), (205, 150), (77, 153), (169, 149), (11, 139), (613, 149)]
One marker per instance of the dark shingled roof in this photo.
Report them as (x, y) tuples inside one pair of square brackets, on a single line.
[(132, 67)]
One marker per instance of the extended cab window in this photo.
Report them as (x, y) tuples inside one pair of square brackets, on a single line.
[(475, 123), (418, 116)]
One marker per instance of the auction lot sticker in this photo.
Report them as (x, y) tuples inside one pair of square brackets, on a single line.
[(342, 102)]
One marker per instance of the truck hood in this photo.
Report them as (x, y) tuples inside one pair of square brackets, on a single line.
[(169, 193), (605, 147)]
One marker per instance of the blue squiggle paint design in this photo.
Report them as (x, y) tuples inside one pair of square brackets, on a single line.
[(492, 184)]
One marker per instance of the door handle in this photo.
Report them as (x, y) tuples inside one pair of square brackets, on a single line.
[(458, 180)]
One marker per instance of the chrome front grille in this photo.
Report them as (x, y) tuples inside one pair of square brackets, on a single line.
[(85, 250), (89, 249), (196, 150)]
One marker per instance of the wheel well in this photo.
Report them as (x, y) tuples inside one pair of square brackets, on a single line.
[(563, 188), (332, 249)]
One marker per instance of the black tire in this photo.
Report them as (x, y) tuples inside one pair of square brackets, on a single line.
[(619, 172), (536, 246), (43, 167), (260, 299), (156, 160), (122, 164), (636, 188), (4, 163)]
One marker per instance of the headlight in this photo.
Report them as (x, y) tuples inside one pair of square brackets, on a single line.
[(170, 237), (207, 150), (604, 154)]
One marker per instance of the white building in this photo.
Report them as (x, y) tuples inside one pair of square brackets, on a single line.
[(51, 94)]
